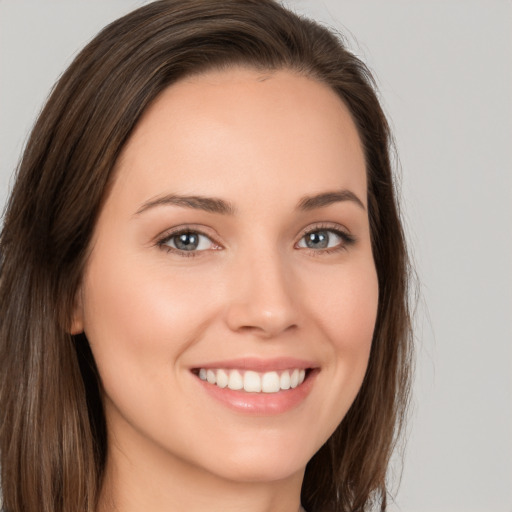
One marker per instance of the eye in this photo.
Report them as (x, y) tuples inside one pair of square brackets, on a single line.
[(321, 239), (187, 241)]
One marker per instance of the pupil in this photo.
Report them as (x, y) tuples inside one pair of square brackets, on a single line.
[(318, 240), (186, 241)]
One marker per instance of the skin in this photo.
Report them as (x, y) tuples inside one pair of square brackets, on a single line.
[(261, 142)]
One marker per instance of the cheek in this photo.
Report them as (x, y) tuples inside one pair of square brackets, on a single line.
[(346, 306), (139, 318), (347, 313)]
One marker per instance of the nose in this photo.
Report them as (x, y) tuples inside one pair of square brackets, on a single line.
[(262, 299)]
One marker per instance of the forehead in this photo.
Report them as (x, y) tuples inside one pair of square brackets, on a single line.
[(223, 130)]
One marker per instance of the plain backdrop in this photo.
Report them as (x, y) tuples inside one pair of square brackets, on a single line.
[(444, 70)]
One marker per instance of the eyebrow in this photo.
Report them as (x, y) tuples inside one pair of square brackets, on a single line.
[(222, 207), (327, 198), (208, 204)]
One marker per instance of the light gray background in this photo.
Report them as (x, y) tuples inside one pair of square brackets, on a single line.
[(445, 73)]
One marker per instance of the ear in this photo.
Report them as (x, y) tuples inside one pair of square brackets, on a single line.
[(77, 316)]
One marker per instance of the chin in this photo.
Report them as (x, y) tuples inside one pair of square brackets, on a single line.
[(257, 470), (263, 460)]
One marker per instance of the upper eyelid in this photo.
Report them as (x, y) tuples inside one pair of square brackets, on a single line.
[(169, 233), (324, 226)]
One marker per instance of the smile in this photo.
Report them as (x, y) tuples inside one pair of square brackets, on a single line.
[(252, 381), (258, 386)]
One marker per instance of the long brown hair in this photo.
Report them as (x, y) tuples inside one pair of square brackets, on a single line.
[(52, 428)]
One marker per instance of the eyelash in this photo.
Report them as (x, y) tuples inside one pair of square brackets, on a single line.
[(347, 240)]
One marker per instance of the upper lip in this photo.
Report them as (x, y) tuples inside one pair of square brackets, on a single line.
[(257, 364)]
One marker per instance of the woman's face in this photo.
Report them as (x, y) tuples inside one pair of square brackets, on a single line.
[(234, 246)]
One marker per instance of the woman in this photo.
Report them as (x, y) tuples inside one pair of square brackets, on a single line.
[(203, 275)]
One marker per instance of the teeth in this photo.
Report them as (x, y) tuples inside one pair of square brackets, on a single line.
[(254, 382), (236, 380), (222, 379), (270, 382), (284, 381), (294, 378)]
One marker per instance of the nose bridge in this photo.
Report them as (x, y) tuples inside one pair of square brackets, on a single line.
[(262, 298)]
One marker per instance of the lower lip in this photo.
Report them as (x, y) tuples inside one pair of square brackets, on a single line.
[(261, 403)]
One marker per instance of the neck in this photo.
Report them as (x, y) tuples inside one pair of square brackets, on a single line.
[(172, 486)]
